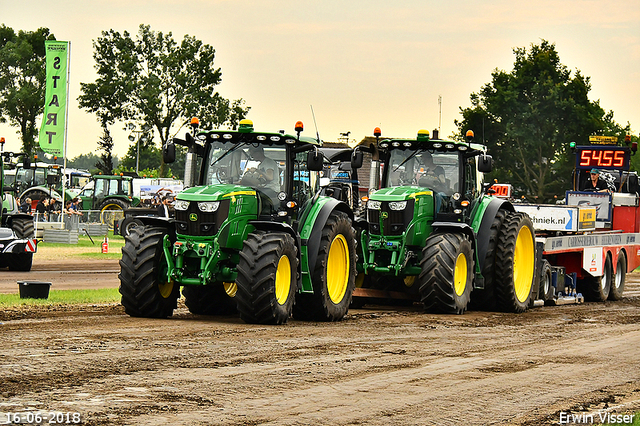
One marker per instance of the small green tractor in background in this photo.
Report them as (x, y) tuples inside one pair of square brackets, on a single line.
[(111, 195), (252, 233), (17, 230), (432, 232)]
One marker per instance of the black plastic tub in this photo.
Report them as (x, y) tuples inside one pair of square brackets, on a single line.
[(34, 289)]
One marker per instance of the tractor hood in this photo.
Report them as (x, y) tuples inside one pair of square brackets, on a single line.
[(214, 192), (400, 193)]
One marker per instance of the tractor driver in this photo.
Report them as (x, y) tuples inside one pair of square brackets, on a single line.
[(595, 184), (266, 175), (432, 175)]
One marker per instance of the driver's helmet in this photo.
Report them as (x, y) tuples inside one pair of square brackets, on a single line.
[(253, 150)]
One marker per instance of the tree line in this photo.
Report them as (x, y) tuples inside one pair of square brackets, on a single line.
[(526, 117)]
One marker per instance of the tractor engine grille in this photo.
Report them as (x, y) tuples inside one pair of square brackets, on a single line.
[(396, 221), (205, 224)]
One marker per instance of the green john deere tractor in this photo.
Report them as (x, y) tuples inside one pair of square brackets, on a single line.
[(251, 233), (432, 233), (111, 194)]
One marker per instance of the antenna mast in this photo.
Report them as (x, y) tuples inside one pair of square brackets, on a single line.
[(439, 112)]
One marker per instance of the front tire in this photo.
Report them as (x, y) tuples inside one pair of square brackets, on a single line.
[(334, 275), (515, 263), (447, 274), (267, 278), (145, 288)]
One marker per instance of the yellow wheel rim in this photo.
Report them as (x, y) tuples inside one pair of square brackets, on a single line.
[(360, 280), (338, 269), (283, 280), (460, 274), (165, 288), (409, 280), (523, 262), (230, 288)]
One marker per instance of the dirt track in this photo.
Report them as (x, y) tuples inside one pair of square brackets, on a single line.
[(379, 366)]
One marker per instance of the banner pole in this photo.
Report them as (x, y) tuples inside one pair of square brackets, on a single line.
[(66, 129)]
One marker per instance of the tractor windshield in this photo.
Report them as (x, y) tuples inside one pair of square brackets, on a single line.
[(435, 170), (259, 166)]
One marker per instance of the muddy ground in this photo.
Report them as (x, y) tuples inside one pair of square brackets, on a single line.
[(379, 366)]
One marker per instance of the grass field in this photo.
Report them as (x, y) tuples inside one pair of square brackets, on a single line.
[(64, 297), (84, 249)]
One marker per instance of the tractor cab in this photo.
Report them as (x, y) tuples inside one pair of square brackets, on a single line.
[(438, 179), (277, 172)]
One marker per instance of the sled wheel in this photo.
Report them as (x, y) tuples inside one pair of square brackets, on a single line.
[(145, 288), (546, 291), (334, 275), (617, 285), (514, 265), (446, 277), (597, 289), (267, 278)]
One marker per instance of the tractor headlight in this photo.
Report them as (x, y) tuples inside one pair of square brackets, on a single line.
[(181, 205), (398, 205), (374, 205), (208, 206)]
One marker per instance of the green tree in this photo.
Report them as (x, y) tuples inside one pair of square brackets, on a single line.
[(527, 118), (156, 81), (22, 81), (105, 144)]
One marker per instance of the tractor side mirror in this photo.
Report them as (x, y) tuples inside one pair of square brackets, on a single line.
[(169, 152), (315, 161), (485, 163), (356, 159), (53, 180)]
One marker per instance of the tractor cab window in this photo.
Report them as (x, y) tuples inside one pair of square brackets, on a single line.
[(305, 182), (470, 178), (438, 171), (258, 166)]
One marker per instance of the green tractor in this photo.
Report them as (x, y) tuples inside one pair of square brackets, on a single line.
[(432, 232), (111, 195), (17, 230), (252, 234)]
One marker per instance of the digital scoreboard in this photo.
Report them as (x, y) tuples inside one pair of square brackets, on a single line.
[(603, 157)]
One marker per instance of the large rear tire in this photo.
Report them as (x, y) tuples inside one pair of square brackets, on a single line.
[(112, 210), (447, 273), (267, 278), (145, 288), (617, 285), (597, 289), (213, 299), (334, 275), (515, 263), (485, 299)]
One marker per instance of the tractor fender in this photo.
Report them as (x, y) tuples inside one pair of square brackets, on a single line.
[(161, 222), (455, 228), (315, 237), (265, 225), (484, 231)]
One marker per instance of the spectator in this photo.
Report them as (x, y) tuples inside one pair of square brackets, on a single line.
[(26, 206), (163, 208), (74, 208), (42, 209)]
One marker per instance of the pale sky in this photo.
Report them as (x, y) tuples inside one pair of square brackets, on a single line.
[(361, 64)]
